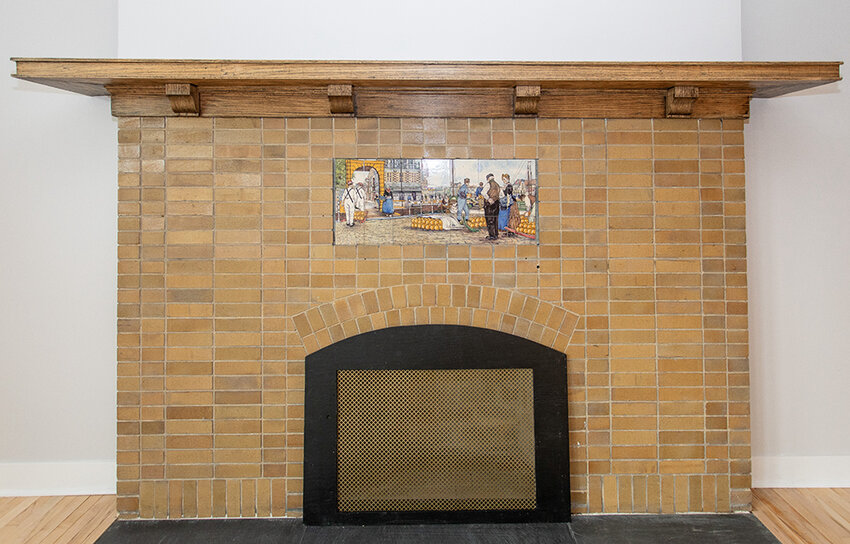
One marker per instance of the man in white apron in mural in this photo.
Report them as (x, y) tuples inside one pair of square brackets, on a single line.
[(352, 199)]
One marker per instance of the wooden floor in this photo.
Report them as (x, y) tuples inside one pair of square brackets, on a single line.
[(805, 516), (78, 519), (795, 516)]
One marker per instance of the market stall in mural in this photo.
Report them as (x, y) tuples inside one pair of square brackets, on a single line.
[(435, 201)]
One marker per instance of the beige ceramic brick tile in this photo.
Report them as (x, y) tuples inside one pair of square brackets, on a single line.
[(644, 195)]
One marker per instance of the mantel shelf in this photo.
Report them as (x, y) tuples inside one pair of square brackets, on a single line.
[(432, 89)]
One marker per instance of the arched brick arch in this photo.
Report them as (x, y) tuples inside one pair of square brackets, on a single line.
[(506, 310)]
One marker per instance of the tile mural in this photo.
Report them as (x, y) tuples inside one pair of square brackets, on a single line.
[(435, 201)]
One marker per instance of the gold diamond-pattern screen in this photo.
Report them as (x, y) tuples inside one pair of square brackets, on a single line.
[(435, 440)]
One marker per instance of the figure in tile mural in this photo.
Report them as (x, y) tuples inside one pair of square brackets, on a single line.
[(435, 201), (353, 200)]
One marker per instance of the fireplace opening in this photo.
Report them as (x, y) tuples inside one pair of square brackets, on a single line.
[(435, 424)]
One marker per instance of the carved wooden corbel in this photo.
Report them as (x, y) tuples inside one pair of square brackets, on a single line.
[(526, 99), (341, 98), (184, 98), (680, 100)]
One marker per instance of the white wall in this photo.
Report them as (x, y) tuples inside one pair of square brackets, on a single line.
[(616, 30), (798, 223), (57, 258)]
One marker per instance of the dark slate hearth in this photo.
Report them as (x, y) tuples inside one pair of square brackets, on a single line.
[(206, 531), (687, 529), (680, 529), (502, 533)]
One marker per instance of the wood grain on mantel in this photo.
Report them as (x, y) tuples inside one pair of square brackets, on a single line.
[(432, 89)]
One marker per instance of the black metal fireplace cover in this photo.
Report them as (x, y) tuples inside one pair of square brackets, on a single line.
[(436, 347)]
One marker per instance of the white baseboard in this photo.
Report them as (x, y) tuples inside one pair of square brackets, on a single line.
[(74, 478), (814, 471)]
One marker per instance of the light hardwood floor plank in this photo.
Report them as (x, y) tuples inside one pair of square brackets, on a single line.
[(71, 520), (9, 503), (771, 516), (111, 514), (108, 514), (837, 504), (12, 507), (821, 511), (19, 528), (55, 516), (796, 515), (805, 516), (80, 530), (814, 524), (50, 520)]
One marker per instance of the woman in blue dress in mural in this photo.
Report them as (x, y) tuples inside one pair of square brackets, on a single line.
[(505, 204), (387, 206)]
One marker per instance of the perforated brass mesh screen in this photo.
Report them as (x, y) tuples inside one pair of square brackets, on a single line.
[(435, 440)]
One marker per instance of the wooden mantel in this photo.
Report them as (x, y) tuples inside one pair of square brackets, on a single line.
[(225, 88)]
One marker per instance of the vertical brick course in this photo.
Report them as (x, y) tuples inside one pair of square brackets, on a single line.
[(227, 279)]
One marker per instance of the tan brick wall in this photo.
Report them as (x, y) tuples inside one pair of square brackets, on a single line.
[(228, 277)]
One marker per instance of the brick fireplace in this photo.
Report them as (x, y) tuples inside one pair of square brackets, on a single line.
[(228, 278)]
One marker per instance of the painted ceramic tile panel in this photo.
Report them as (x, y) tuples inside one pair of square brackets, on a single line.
[(435, 201)]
